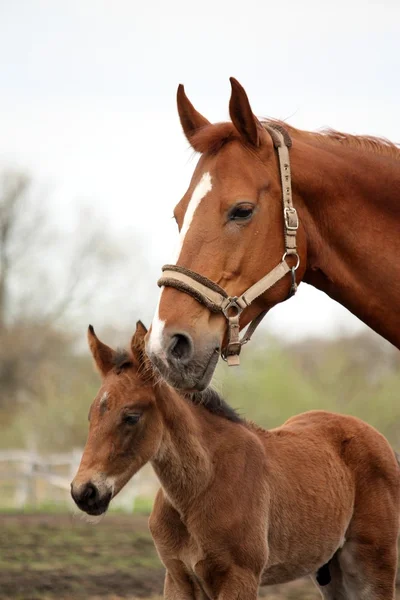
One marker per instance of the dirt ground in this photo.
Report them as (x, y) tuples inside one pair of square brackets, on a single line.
[(44, 557)]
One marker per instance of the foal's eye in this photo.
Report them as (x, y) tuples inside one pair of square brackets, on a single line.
[(241, 212), (132, 418)]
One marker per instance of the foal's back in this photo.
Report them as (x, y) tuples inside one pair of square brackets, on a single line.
[(334, 483), (363, 452)]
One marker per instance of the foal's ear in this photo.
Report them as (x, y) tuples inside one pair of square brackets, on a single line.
[(242, 116), (103, 355), (137, 344), (191, 120)]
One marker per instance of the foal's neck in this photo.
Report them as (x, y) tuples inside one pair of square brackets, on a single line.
[(183, 463), (349, 205)]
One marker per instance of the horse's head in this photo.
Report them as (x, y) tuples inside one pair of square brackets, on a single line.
[(231, 226), (125, 427)]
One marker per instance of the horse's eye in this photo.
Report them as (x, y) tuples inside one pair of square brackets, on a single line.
[(241, 212), (132, 418)]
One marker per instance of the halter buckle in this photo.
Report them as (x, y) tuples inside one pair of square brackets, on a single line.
[(231, 353), (232, 310), (291, 218)]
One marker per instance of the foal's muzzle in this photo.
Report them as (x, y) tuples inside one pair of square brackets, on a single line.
[(89, 498)]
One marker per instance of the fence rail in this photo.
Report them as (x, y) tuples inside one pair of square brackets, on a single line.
[(28, 478)]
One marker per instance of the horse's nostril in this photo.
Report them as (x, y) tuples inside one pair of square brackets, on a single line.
[(180, 347)]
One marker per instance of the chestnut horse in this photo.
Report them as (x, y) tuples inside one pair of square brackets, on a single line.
[(240, 506), (343, 216)]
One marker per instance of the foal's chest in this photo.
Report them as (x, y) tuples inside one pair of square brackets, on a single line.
[(191, 553), (195, 561)]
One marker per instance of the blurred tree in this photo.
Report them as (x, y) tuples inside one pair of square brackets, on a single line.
[(49, 276), (13, 187)]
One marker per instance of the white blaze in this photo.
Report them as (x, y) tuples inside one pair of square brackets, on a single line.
[(201, 190), (154, 344)]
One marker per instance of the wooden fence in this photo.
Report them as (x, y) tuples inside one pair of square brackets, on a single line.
[(31, 479)]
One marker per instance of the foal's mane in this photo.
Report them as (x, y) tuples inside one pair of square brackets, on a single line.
[(121, 358), (212, 137), (209, 398), (215, 404)]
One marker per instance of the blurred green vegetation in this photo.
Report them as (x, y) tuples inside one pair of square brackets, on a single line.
[(57, 420), (357, 375)]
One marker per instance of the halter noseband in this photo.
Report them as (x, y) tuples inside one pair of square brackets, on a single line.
[(214, 297)]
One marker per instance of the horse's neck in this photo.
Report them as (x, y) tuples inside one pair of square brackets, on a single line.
[(351, 215), (183, 463)]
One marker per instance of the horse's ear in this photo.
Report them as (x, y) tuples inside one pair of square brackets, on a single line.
[(103, 355), (242, 116), (138, 344), (191, 120)]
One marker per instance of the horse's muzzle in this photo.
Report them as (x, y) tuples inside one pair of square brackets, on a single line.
[(181, 366)]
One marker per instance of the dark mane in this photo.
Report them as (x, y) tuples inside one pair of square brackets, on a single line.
[(212, 138), (215, 404), (121, 359)]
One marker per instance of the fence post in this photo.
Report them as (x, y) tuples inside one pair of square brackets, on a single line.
[(25, 492)]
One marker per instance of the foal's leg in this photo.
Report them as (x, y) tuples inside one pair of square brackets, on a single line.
[(335, 589), (179, 586), (362, 571), (239, 584), (368, 559), (369, 569)]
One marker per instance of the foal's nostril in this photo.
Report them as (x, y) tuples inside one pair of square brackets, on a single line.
[(180, 347), (90, 494), (87, 496)]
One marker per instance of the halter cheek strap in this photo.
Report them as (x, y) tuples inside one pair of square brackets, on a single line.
[(214, 297)]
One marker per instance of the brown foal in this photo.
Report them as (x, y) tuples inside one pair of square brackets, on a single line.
[(346, 191), (240, 506)]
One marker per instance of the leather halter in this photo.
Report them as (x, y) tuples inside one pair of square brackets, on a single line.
[(214, 297)]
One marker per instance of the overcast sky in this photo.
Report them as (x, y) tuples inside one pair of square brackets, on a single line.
[(87, 100)]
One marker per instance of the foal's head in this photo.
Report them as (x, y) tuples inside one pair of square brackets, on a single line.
[(125, 427), (231, 231)]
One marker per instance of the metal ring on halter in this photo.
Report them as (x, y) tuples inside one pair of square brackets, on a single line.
[(292, 254), (232, 303)]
